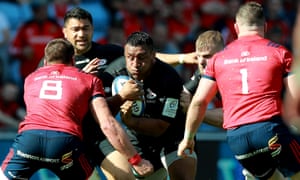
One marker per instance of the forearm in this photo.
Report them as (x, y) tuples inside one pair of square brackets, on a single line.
[(194, 118), (111, 128), (118, 138), (176, 59), (172, 59)]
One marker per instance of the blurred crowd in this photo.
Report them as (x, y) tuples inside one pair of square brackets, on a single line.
[(27, 25)]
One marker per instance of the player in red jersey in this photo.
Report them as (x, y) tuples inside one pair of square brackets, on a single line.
[(250, 74), (57, 97)]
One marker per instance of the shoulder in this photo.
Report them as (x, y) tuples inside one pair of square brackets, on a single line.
[(165, 71), (162, 65), (109, 52), (117, 66)]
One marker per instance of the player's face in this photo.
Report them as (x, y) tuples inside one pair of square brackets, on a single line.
[(202, 57), (138, 61), (79, 32)]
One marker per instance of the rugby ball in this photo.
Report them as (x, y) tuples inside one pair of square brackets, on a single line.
[(118, 84), (138, 106)]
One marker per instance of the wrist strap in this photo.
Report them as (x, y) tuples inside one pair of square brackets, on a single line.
[(188, 135), (181, 59), (135, 160)]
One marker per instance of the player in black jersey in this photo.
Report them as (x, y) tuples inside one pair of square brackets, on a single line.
[(156, 130)]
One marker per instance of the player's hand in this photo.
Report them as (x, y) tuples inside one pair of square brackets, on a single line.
[(185, 146), (126, 113), (131, 90), (185, 100), (190, 58), (144, 168), (92, 66)]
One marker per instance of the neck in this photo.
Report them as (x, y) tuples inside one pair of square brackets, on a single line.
[(251, 33)]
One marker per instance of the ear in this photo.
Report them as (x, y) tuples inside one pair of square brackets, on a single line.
[(236, 28), (64, 32), (153, 57)]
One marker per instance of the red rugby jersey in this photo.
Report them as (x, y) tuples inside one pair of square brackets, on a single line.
[(249, 73), (57, 97)]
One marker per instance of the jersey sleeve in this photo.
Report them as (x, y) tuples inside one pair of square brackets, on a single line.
[(209, 72), (192, 84), (98, 89)]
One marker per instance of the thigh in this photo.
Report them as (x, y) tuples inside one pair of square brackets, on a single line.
[(160, 174), (19, 162), (68, 149), (149, 150), (289, 157), (181, 168), (78, 168), (116, 166), (257, 147)]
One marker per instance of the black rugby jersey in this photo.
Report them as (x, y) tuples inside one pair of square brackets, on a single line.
[(162, 90)]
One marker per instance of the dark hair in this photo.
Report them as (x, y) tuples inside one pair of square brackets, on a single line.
[(78, 13), (59, 50), (141, 39)]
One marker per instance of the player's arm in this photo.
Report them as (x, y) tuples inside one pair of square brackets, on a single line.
[(175, 59), (292, 102), (144, 125), (130, 91), (117, 136), (205, 92), (212, 117), (189, 88)]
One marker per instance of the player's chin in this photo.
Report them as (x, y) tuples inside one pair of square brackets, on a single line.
[(135, 75), (82, 46)]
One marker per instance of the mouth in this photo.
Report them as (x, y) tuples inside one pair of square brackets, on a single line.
[(134, 73), (81, 42)]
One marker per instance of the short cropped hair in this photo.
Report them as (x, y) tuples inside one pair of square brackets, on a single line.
[(59, 50), (210, 40), (141, 39), (251, 14), (78, 13)]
